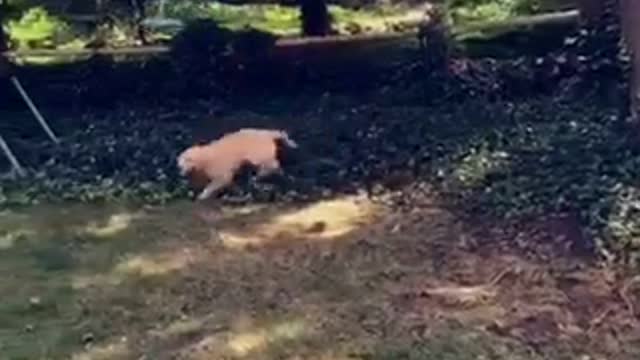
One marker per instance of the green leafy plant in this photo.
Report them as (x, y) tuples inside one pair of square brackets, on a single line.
[(490, 10), (37, 28)]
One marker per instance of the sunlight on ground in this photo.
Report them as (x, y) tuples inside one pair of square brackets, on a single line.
[(111, 351), (8, 239), (320, 221), (243, 338), (242, 344), (297, 303), (140, 266), (114, 225), (79, 282), (467, 296), (145, 265), (179, 328), (340, 217), (13, 228)]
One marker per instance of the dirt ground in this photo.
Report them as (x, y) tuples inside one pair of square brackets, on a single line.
[(338, 279)]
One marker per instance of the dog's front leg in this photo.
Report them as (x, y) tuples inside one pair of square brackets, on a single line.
[(211, 188)]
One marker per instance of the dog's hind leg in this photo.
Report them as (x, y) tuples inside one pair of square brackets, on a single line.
[(268, 168)]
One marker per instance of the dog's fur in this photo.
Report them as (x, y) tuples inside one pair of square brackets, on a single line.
[(214, 165)]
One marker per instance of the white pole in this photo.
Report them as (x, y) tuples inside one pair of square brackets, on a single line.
[(11, 157), (34, 110)]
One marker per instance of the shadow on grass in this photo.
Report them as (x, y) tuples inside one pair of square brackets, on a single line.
[(46, 253), (62, 264), (270, 283), (520, 161)]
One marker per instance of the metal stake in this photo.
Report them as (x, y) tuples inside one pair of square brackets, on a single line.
[(9, 154), (34, 110)]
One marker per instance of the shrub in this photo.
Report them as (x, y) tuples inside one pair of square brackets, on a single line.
[(36, 28)]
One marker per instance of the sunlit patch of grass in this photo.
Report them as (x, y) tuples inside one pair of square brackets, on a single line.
[(244, 343), (241, 336), (9, 238), (83, 281), (179, 328), (13, 229), (143, 265), (331, 218), (116, 350), (489, 12), (328, 219), (116, 223), (134, 266), (492, 10), (51, 262)]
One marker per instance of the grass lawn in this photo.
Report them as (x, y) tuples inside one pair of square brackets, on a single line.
[(338, 279)]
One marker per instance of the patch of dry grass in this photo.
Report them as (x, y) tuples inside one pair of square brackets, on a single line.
[(324, 220)]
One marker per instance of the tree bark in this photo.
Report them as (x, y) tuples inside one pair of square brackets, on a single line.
[(316, 20), (590, 10), (139, 14)]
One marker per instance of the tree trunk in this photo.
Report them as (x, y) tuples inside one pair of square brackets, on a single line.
[(3, 40), (5, 65), (139, 14), (3, 37), (590, 10), (316, 20), (631, 34)]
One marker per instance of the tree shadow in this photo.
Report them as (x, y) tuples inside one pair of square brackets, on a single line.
[(391, 285), (59, 261)]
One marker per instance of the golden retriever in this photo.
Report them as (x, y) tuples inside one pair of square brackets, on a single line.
[(215, 164)]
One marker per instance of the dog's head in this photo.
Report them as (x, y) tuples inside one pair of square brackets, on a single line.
[(188, 160)]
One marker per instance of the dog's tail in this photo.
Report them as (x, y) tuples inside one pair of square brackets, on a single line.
[(284, 136)]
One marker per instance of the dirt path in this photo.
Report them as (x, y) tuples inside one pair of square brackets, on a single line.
[(339, 279)]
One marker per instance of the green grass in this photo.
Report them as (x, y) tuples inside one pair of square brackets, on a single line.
[(281, 20), (41, 313), (115, 282), (94, 282)]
